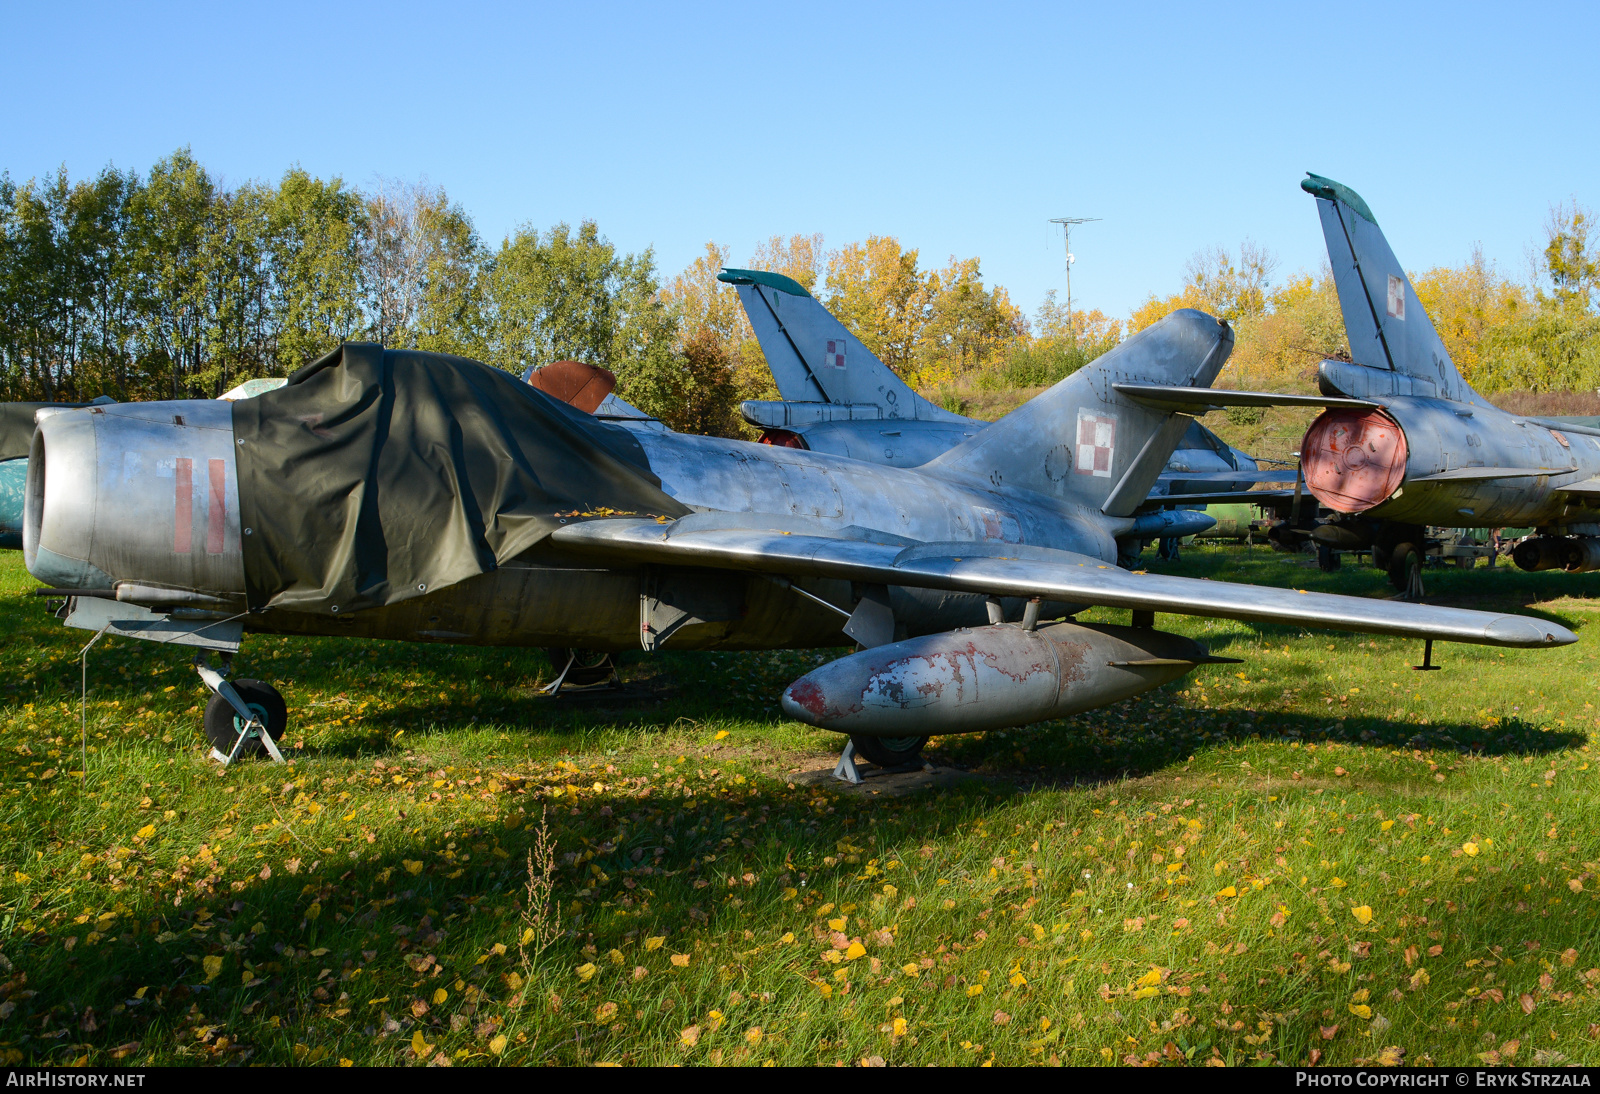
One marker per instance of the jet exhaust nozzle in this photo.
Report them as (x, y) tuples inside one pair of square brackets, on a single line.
[(990, 677)]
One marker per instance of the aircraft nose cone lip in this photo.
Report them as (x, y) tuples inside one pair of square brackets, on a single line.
[(1521, 630)]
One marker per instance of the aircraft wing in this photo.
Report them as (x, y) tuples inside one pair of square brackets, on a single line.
[(1588, 488), (1226, 476), (1227, 497), (1198, 400), (995, 569), (1473, 474)]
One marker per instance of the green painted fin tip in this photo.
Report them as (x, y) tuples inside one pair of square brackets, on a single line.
[(1320, 187), (763, 277)]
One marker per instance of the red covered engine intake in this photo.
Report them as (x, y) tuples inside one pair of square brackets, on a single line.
[(1353, 459)]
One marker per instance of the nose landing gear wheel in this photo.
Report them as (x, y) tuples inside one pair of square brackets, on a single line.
[(223, 723), (890, 751)]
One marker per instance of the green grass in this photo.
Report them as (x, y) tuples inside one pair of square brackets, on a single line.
[(1180, 878)]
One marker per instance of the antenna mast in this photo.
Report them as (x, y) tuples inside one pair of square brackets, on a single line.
[(1066, 241)]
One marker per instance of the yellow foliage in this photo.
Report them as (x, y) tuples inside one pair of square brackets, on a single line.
[(1465, 303)]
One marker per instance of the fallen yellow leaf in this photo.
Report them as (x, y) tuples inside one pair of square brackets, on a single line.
[(498, 1045), (1469, 849), (439, 996), (680, 959), (1362, 913), (856, 950), (586, 971), (655, 942), (420, 1048), (212, 966)]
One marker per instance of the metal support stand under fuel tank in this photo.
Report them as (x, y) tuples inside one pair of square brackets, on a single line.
[(846, 770), (252, 727)]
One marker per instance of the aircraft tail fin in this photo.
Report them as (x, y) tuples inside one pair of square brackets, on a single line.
[(813, 358), (1384, 321), (1084, 441)]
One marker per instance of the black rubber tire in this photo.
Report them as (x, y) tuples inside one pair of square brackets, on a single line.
[(591, 667), (889, 751), (1402, 560), (222, 721)]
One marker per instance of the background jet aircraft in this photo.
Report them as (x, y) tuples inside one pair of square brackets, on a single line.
[(414, 496), (1425, 448), (838, 397)]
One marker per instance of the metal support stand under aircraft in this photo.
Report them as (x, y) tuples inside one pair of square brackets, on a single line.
[(847, 770)]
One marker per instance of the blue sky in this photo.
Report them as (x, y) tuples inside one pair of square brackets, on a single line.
[(960, 129)]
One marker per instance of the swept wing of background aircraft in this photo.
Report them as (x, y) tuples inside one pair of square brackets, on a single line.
[(414, 496), (1424, 448)]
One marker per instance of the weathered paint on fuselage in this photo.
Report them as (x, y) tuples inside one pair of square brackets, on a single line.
[(710, 473)]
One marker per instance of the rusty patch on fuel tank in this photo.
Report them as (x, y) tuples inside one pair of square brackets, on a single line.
[(1353, 459), (808, 695)]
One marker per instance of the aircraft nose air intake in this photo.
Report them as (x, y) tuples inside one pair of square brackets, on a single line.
[(141, 495), (1353, 459)]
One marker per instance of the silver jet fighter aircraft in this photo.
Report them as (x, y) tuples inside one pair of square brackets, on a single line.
[(414, 496), (1419, 446)]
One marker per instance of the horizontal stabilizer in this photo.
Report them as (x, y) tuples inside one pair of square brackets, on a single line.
[(1477, 474), (1228, 497), (1055, 575), (1198, 400), (1226, 476), (1588, 488)]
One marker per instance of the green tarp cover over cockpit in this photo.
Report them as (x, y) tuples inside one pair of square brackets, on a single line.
[(16, 427), (375, 475)]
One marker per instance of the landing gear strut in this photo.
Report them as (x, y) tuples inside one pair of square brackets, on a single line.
[(246, 717), (581, 669)]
